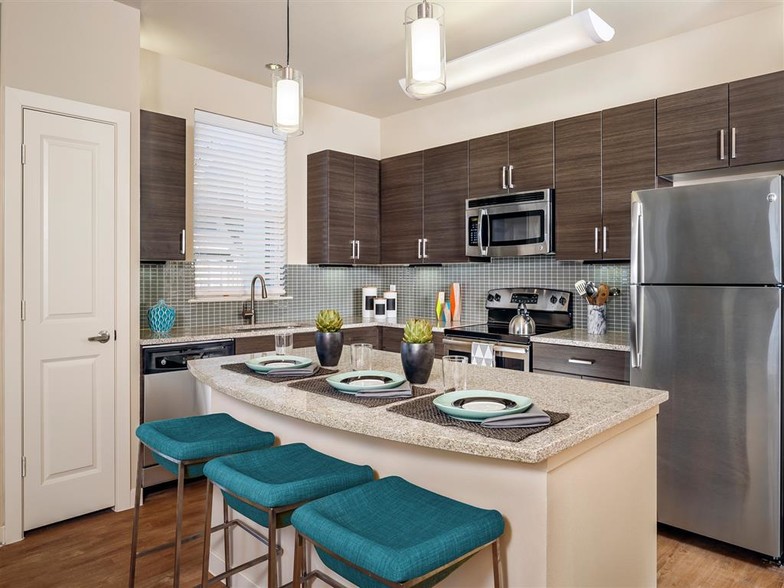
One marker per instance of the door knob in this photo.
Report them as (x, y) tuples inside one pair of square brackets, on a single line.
[(101, 337)]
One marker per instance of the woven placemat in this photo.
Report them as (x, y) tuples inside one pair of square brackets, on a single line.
[(241, 368), (321, 386), (423, 409)]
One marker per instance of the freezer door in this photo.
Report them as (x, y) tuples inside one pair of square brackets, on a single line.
[(714, 233), (718, 353)]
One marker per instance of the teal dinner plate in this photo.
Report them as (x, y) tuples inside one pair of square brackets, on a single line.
[(270, 363), (365, 381), (477, 405)]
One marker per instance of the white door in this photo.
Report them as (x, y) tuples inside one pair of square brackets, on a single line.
[(69, 296)]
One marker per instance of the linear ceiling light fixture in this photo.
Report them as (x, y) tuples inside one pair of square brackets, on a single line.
[(287, 95), (425, 49), (573, 33)]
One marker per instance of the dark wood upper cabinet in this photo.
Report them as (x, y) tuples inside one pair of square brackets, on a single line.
[(691, 130), (488, 158), (531, 155), (445, 193), (578, 187), (628, 163), (757, 120), (402, 184), (343, 208), (162, 187)]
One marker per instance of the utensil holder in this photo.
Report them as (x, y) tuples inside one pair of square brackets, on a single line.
[(597, 319)]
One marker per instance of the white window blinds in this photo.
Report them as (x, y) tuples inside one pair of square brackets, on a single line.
[(239, 206)]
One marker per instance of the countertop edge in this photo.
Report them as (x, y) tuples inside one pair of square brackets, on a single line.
[(611, 341)]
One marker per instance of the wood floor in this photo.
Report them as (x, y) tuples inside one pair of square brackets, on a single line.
[(93, 551)]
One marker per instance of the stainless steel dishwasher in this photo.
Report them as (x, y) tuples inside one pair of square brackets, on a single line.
[(170, 391)]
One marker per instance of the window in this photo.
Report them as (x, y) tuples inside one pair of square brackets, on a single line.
[(239, 206)]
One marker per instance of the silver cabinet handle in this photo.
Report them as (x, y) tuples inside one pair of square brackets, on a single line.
[(604, 239), (511, 183), (101, 337), (353, 250), (419, 248), (503, 178), (581, 361), (182, 242), (424, 248), (721, 145), (357, 257), (732, 143), (596, 239)]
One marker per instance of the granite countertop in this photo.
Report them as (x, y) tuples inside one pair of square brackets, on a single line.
[(594, 406), (212, 333), (612, 340)]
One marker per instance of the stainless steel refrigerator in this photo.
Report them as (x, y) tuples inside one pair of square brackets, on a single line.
[(706, 303)]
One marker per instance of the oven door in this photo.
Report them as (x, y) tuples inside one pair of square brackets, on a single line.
[(504, 230), (513, 357)]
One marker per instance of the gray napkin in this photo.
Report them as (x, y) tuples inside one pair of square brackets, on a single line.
[(402, 391), (533, 417), (289, 372)]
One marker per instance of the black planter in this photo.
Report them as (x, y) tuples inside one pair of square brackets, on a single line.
[(329, 347), (417, 361)]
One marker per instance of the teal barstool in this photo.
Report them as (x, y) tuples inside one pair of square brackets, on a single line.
[(266, 486), (393, 533), (183, 446)]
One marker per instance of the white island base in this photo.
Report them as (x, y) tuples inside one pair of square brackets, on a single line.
[(585, 516)]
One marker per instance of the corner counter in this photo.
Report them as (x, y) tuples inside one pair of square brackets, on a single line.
[(611, 341), (579, 499)]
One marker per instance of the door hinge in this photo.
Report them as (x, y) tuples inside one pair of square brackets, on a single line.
[(24, 154), (24, 467), (24, 310)]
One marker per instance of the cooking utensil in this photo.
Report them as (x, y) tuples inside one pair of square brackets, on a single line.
[(580, 287), (603, 293), (615, 291), (591, 290), (522, 324)]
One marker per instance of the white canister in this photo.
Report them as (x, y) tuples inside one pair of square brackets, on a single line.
[(381, 309), (391, 297), (597, 319), (369, 294)]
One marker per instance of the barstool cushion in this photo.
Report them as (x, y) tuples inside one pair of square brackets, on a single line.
[(282, 476), (394, 529), (200, 437)]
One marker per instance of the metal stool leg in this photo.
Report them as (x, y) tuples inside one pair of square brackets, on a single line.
[(272, 561), (497, 564), (178, 531), (299, 561), (205, 561), (137, 505), (226, 540)]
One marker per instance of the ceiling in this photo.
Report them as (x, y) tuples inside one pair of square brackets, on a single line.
[(351, 52)]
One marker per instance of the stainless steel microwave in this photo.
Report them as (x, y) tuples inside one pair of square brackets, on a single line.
[(510, 224)]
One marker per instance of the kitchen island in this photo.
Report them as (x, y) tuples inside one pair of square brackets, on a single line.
[(579, 498)]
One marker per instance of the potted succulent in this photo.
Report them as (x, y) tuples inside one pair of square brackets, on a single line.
[(329, 337), (417, 351)]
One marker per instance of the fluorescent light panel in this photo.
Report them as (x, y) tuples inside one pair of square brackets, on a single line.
[(568, 35)]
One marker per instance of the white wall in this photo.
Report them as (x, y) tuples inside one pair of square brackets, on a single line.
[(743, 47), (176, 87), (84, 51)]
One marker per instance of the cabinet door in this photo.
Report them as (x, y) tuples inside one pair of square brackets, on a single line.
[(487, 157), (578, 187), (366, 210), (531, 156), (401, 208), (360, 335), (689, 130), (162, 175), (254, 344), (628, 163), (757, 119), (340, 174), (318, 207), (446, 190)]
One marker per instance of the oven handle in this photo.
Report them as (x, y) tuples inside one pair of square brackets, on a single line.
[(465, 345), (482, 247)]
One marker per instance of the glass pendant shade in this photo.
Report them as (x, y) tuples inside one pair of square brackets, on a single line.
[(287, 99), (425, 49)]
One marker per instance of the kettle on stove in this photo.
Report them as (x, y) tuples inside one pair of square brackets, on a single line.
[(522, 324)]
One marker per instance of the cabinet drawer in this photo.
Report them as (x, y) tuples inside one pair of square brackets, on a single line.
[(581, 361), (254, 344), (361, 335)]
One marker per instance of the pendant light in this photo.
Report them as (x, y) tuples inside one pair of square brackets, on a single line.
[(287, 95), (425, 49)]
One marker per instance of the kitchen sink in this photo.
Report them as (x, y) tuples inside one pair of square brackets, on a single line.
[(263, 327)]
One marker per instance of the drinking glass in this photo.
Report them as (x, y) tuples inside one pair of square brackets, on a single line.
[(284, 343), (455, 368), (361, 356)]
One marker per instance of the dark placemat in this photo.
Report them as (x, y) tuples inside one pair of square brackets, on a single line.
[(241, 368), (321, 386), (423, 409)]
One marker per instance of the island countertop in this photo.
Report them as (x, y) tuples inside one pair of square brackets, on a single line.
[(594, 407)]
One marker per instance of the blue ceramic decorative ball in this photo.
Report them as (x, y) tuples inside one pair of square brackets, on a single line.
[(161, 317)]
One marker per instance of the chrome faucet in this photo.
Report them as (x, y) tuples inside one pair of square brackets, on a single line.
[(251, 312)]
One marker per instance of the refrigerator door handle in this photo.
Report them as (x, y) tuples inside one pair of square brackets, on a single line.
[(635, 269), (635, 326)]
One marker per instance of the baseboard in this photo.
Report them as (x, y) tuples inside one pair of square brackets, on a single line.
[(218, 565)]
